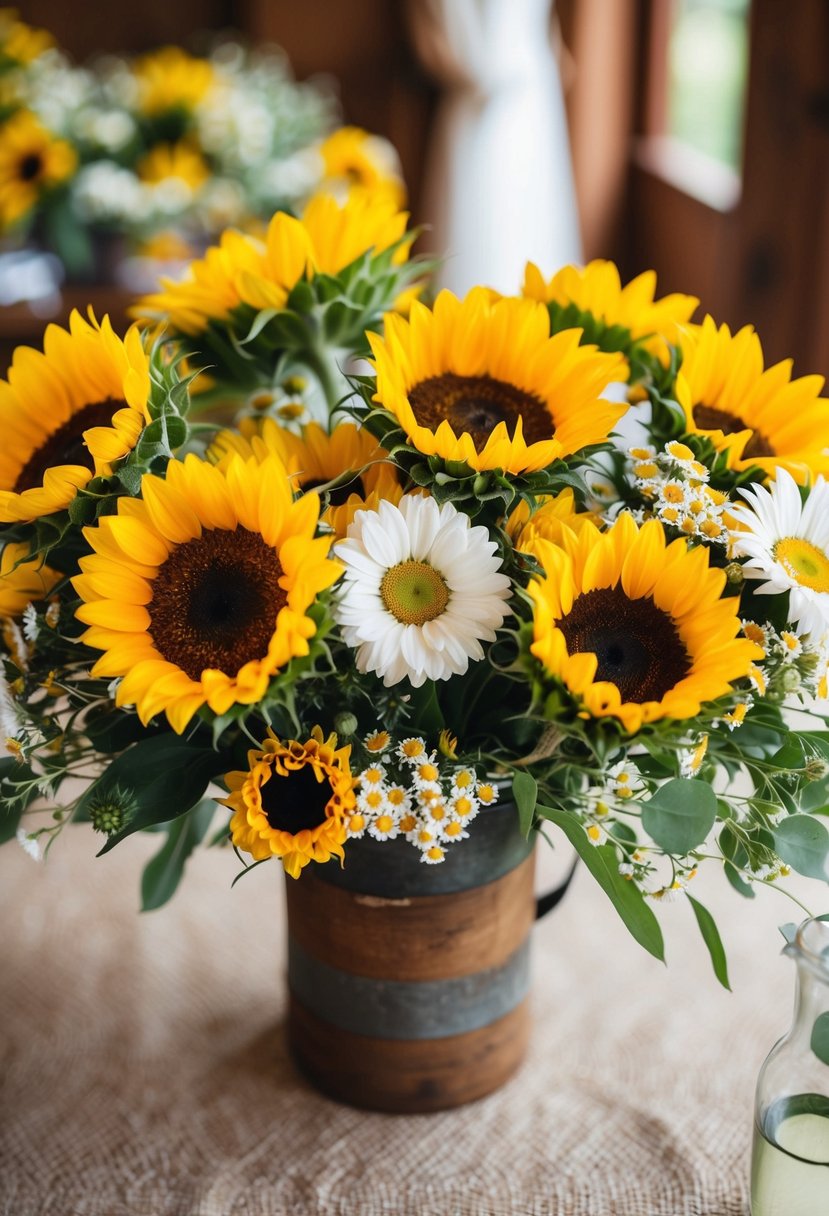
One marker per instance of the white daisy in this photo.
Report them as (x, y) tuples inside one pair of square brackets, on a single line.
[(421, 591), (384, 827), (786, 542)]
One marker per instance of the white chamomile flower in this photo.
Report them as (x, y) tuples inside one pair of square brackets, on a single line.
[(433, 856), (412, 749), (373, 775), (384, 827), (464, 807), (356, 825), (421, 591), (455, 830), (372, 802), (786, 542)]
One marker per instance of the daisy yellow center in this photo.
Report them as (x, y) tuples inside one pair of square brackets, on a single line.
[(414, 592), (215, 602), (710, 418), (30, 167), (476, 405), (636, 644), (295, 803), (66, 445), (807, 564)]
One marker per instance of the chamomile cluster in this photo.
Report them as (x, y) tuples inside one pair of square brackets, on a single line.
[(793, 664), (675, 484), (406, 790)]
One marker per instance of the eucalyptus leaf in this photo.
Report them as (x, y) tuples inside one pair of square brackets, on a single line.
[(603, 863), (680, 814), (525, 793), (712, 939), (802, 841)]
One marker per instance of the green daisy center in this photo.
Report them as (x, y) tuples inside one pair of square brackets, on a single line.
[(414, 592)]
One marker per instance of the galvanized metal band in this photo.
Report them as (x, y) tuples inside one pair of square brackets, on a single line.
[(397, 1009), (392, 869)]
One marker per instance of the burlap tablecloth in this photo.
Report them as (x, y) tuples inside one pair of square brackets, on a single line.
[(145, 1069)]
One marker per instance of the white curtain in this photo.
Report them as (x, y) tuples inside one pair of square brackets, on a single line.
[(499, 184)]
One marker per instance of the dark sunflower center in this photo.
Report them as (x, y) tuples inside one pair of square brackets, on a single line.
[(709, 418), (340, 494), (295, 803), (476, 404), (215, 602), (636, 644), (66, 445), (30, 167)]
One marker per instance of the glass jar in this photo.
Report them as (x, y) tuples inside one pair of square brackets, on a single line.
[(790, 1157)]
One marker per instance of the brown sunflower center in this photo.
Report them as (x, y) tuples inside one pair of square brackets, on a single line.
[(215, 602), (476, 404), (66, 445), (30, 167), (295, 803), (709, 418), (636, 644), (340, 494)]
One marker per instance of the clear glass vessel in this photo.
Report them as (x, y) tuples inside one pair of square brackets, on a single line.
[(790, 1157)]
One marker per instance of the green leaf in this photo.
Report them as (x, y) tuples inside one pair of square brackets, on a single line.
[(425, 712), (819, 1041), (603, 863), (525, 793), (712, 939), (163, 873), (165, 777), (803, 843), (679, 816)]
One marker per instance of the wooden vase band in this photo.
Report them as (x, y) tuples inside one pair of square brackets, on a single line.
[(417, 939), (416, 1076)]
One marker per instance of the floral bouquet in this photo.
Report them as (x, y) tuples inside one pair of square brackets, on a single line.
[(381, 569), (165, 150)]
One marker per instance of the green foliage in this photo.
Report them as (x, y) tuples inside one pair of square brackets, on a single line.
[(713, 942), (525, 796), (679, 816), (603, 863), (803, 843), (163, 873)]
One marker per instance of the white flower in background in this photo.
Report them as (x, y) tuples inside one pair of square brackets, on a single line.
[(294, 176), (421, 591), (28, 845), (105, 191), (786, 542)]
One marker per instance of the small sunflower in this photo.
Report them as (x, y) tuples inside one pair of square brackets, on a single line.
[(23, 579), (480, 380), (759, 417), (546, 523), (244, 270), (596, 289), (293, 802), (636, 628), (32, 161), (68, 413), (170, 79), (198, 593), (355, 158), (181, 162), (316, 457)]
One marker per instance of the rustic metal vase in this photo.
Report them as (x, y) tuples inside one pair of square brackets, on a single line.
[(409, 983)]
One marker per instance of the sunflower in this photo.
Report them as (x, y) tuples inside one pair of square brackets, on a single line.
[(293, 802), (68, 413), (315, 457), (596, 289), (198, 593), (552, 514), (759, 417), (170, 79), (356, 158), (20, 43), (179, 161), (636, 628), (23, 579), (480, 380), (32, 161), (242, 269)]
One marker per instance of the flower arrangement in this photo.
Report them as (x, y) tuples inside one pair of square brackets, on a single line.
[(375, 565), (165, 150)]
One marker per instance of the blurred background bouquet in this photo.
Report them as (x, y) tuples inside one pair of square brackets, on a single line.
[(157, 154)]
